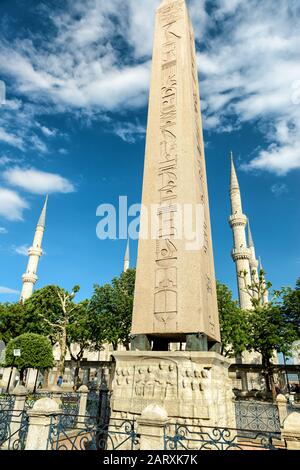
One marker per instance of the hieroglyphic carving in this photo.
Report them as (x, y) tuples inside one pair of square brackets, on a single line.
[(165, 295)]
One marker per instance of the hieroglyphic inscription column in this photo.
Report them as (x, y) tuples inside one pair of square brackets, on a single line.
[(175, 284)]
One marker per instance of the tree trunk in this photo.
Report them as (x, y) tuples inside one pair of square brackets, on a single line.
[(22, 373), (46, 379), (268, 373), (63, 352)]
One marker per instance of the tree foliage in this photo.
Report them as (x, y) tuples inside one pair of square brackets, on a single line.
[(54, 310), (233, 324), (12, 321), (110, 310), (36, 352), (291, 305)]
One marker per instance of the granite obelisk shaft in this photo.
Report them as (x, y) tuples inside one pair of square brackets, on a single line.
[(175, 282)]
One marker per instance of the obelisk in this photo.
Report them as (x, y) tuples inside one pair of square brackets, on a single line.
[(175, 296)]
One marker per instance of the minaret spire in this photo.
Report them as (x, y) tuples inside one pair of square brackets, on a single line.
[(35, 252), (250, 239), (253, 261), (234, 184), (127, 258), (240, 253), (42, 219)]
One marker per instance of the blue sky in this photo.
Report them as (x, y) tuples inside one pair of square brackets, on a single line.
[(73, 125)]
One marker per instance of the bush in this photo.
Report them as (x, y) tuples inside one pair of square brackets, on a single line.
[(36, 352)]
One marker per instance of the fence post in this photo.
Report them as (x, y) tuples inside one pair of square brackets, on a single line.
[(83, 390), (282, 408), (151, 426), (291, 431), (56, 393), (20, 393), (39, 423)]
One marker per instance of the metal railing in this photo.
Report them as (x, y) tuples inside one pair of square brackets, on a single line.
[(257, 416), (88, 434), (13, 429), (195, 437)]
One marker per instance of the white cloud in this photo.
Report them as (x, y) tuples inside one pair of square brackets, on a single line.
[(247, 54), (3, 231), (248, 72), (7, 290), (11, 205), (5, 160), (21, 250), (129, 132), (38, 182), (279, 189), (48, 132), (11, 139)]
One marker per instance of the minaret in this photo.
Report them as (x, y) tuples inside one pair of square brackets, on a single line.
[(127, 258), (253, 261), (265, 297), (175, 290), (240, 253), (35, 252)]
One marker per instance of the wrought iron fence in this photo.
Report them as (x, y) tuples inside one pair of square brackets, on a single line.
[(6, 401), (68, 401), (88, 434), (257, 416), (194, 437), (13, 429)]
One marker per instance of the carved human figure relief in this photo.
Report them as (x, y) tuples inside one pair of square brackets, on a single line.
[(187, 393), (140, 383), (171, 385)]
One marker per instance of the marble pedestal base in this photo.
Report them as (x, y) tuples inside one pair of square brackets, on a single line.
[(193, 387)]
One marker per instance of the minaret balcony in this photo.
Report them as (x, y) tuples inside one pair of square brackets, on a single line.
[(35, 251), (29, 277), (240, 253), (238, 220)]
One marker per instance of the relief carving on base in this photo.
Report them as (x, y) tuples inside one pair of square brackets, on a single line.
[(183, 391)]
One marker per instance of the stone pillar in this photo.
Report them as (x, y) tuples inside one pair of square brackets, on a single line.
[(5, 379), (43, 411), (282, 408), (291, 431), (151, 425), (83, 390), (20, 393), (31, 379)]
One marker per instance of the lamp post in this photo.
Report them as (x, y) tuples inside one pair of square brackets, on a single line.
[(17, 353), (286, 374)]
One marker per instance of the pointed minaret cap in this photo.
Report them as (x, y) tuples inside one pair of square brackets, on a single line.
[(42, 219), (260, 264), (233, 180), (250, 239)]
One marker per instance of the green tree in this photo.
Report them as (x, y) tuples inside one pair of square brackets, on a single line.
[(111, 310), (36, 353), (53, 310), (12, 322), (271, 328), (291, 305), (79, 335), (233, 325)]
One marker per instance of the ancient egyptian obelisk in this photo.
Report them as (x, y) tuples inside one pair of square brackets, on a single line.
[(175, 297)]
